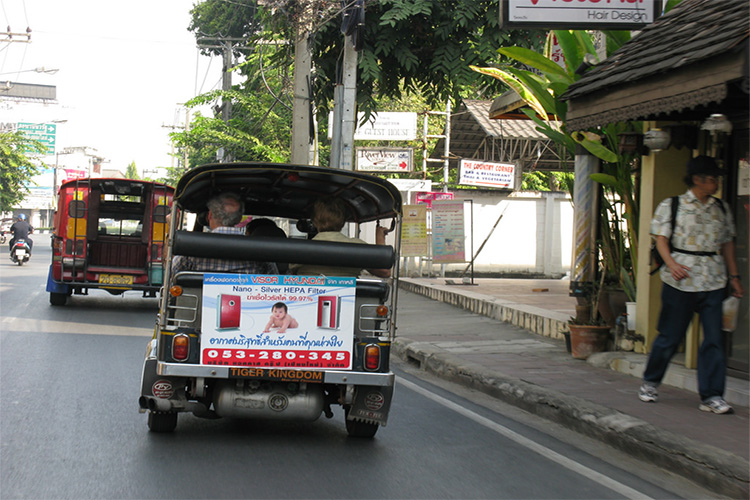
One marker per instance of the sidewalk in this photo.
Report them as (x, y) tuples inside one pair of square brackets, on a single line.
[(522, 359)]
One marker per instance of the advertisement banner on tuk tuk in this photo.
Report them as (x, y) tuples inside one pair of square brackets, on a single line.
[(277, 321)]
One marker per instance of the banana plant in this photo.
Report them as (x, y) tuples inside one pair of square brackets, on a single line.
[(542, 90)]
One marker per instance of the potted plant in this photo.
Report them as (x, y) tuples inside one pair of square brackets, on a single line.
[(589, 331)]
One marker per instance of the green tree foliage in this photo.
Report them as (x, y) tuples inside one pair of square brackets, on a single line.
[(547, 181), (420, 47), (412, 50), (16, 168), (260, 125), (132, 172), (222, 19), (257, 130)]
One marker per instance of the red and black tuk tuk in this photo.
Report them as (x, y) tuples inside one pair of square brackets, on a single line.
[(108, 234)]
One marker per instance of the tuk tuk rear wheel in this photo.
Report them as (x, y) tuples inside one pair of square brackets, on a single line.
[(162, 421), (359, 429), (58, 299)]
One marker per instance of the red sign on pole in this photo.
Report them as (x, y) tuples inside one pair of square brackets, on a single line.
[(427, 197)]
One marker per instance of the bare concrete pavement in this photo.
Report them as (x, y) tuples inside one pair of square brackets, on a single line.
[(506, 340)]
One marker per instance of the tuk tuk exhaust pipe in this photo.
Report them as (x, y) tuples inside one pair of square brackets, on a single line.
[(166, 405), (155, 404)]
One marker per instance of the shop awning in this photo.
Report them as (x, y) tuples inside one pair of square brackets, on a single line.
[(691, 62), (474, 135)]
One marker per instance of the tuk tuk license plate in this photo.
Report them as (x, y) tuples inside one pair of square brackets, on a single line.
[(115, 279)]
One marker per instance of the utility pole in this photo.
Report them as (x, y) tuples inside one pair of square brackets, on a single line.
[(345, 93), (186, 128), (226, 81), (17, 37), (447, 150), (345, 111), (226, 103), (185, 149), (303, 152)]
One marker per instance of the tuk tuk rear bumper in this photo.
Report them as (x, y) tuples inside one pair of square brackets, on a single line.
[(225, 372)]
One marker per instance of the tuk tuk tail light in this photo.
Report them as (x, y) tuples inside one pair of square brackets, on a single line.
[(372, 357), (382, 311), (180, 347), (175, 291)]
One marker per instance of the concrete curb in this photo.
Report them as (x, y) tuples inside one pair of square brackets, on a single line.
[(716, 469), (553, 324), (533, 319), (630, 363)]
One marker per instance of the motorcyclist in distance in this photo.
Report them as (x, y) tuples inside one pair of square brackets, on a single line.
[(21, 231)]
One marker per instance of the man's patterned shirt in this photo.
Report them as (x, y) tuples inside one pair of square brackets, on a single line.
[(698, 228)]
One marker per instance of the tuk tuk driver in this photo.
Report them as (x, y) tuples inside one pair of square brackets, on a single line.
[(224, 213)]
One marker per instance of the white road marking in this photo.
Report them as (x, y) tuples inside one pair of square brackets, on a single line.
[(547, 453), (51, 326)]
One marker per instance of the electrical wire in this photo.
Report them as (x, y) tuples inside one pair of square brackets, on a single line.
[(205, 76), (265, 82), (25, 14)]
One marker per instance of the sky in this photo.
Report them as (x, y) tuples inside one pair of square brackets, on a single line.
[(123, 70)]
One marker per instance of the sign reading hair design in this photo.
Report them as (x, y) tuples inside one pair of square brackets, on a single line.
[(579, 14)]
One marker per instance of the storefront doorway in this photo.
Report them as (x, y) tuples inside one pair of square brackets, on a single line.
[(738, 342)]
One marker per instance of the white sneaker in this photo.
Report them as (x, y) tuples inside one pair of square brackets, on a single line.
[(715, 404), (648, 393)]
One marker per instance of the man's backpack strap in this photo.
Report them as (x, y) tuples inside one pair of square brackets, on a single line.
[(673, 221), (721, 204), (655, 257)]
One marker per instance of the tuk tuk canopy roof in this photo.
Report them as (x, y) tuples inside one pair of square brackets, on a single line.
[(282, 190), (122, 187)]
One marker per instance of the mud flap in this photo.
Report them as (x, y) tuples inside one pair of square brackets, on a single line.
[(148, 377), (53, 287), (371, 404), (169, 390)]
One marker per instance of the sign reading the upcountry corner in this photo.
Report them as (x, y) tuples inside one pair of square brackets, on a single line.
[(579, 14), (487, 174)]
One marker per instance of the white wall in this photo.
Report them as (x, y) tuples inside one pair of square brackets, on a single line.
[(533, 237)]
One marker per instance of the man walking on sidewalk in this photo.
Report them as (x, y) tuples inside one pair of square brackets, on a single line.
[(697, 254)]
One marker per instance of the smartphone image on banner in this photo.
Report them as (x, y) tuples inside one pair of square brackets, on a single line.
[(329, 309), (228, 311)]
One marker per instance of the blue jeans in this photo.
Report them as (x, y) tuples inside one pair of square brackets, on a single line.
[(677, 309)]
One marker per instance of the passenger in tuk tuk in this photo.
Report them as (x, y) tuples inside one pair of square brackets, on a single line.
[(329, 217), (224, 213), (267, 228)]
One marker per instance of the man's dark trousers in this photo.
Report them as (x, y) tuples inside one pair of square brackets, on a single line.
[(677, 311)]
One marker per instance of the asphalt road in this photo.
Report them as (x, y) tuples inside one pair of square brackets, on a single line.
[(70, 426)]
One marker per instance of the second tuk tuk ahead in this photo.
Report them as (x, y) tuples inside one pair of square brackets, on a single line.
[(109, 234)]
